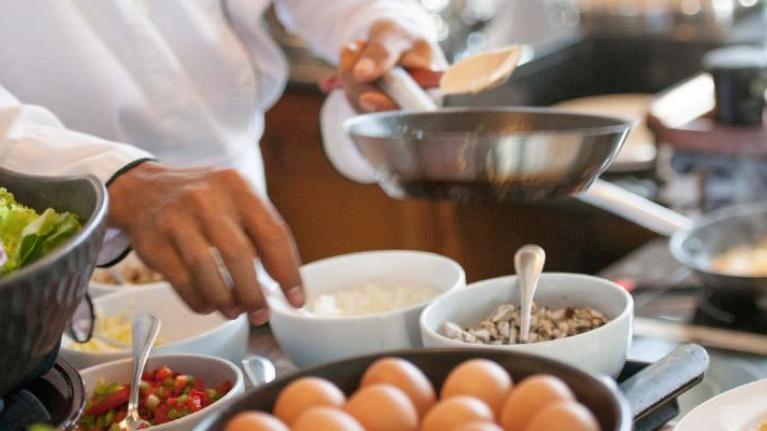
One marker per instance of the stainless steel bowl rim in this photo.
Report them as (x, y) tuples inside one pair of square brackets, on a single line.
[(676, 243), (616, 124), (87, 229)]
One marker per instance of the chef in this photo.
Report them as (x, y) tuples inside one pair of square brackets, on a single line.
[(164, 100)]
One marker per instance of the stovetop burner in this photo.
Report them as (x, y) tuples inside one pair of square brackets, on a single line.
[(739, 312), (57, 398)]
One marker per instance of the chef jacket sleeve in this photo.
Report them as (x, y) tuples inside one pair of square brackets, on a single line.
[(33, 141), (329, 24)]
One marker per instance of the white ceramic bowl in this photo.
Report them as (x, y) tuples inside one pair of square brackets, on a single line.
[(97, 288), (183, 331), (310, 340), (212, 371), (600, 351)]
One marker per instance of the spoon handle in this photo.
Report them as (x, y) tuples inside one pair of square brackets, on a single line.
[(145, 330), (528, 262), (408, 94)]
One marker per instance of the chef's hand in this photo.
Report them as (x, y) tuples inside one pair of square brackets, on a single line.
[(176, 218), (389, 43)]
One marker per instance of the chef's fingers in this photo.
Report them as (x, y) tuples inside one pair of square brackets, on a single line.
[(236, 251), (355, 89), (350, 53), (424, 55), (274, 245), (198, 255), (376, 101), (162, 257), (260, 317), (384, 49)]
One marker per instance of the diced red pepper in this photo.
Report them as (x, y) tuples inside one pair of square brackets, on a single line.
[(224, 388), (109, 402), (173, 395), (163, 373), (182, 380), (194, 403)]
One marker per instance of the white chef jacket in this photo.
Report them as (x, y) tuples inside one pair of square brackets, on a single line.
[(90, 86)]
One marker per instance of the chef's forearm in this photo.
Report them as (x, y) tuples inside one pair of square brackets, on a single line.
[(329, 24)]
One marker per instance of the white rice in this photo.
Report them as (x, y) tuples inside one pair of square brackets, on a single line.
[(369, 299)]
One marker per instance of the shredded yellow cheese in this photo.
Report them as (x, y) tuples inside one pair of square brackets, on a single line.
[(116, 328)]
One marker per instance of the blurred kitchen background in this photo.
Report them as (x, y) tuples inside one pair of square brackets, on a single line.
[(641, 59)]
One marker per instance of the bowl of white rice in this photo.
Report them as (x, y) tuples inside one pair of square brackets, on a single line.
[(362, 303)]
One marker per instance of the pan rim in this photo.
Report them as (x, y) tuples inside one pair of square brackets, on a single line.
[(617, 125)]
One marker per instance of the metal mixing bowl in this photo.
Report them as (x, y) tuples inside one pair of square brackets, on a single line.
[(38, 301)]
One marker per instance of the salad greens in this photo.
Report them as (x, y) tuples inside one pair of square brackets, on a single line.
[(26, 236)]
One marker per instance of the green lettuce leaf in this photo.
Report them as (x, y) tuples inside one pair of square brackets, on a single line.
[(27, 236)]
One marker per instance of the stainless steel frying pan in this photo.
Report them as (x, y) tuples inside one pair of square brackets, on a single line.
[(512, 154)]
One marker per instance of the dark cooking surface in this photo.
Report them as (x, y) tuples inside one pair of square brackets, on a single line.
[(667, 291)]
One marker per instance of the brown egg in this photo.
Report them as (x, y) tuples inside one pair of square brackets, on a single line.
[(477, 426), (326, 419), (406, 377), (255, 421), (383, 407), (564, 416), (479, 378), (305, 393), (529, 397), (452, 412)]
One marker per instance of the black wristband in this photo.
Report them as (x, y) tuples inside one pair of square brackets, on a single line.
[(123, 170), (128, 167)]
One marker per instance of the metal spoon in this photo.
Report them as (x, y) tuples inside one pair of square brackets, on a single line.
[(528, 262), (145, 330), (259, 370)]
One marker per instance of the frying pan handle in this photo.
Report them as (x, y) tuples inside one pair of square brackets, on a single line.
[(635, 208), (408, 94), (664, 380)]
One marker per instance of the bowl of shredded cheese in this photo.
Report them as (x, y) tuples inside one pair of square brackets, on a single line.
[(182, 331), (361, 303)]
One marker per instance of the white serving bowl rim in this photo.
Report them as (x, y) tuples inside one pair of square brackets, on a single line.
[(382, 315), (117, 288), (625, 312), (233, 393)]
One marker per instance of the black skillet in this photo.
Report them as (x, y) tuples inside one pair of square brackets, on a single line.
[(616, 408), (716, 233)]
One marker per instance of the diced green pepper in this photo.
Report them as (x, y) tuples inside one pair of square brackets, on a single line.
[(152, 401)]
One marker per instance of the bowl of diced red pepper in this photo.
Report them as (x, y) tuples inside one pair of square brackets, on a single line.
[(176, 391)]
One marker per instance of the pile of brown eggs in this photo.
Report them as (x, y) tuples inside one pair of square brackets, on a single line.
[(394, 395)]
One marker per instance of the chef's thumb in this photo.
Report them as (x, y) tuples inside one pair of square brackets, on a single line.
[(378, 57)]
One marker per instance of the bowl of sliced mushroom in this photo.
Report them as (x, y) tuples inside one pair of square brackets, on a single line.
[(578, 319)]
